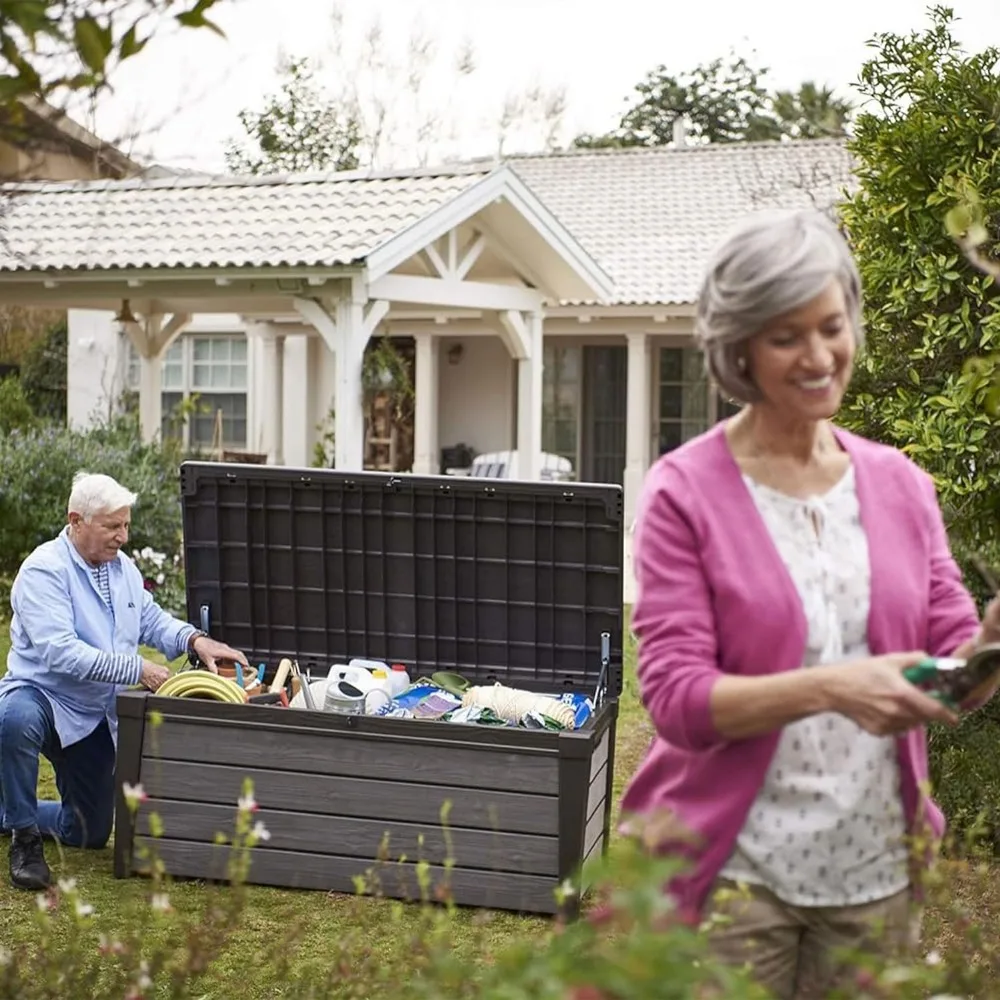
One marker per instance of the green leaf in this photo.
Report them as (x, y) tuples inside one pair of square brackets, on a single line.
[(93, 43), (195, 19), (131, 44)]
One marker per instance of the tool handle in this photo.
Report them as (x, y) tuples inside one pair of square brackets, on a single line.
[(920, 673), (924, 671), (284, 669)]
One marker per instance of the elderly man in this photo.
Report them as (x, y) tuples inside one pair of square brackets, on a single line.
[(80, 613)]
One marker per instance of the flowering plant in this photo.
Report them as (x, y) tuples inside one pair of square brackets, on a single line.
[(163, 577)]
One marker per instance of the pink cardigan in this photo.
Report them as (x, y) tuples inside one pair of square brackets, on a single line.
[(714, 597)]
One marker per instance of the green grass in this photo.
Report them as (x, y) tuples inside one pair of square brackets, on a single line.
[(244, 970)]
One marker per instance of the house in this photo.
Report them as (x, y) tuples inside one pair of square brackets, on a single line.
[(547, 301), (39, 142)]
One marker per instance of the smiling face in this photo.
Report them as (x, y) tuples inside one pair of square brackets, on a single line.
[(801, 362), (99, 539)]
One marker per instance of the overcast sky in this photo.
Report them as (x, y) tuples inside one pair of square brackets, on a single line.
[(185, 90)]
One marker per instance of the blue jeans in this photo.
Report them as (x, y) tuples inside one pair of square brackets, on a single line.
[(85, 774)]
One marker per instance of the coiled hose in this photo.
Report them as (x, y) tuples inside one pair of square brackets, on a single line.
[(202, 684)]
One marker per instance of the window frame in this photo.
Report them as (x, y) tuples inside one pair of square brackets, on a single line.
[(186, 387)]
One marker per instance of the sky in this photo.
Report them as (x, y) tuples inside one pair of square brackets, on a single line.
[(178, 101)]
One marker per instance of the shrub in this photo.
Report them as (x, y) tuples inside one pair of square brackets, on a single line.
[(629, 944), (43, 373), (16, 413), (39, 464)]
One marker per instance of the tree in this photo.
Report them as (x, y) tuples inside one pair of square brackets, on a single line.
[(74, 45), (298, 130), (811, 112), (372, 99), (926, 380), (723, 101)]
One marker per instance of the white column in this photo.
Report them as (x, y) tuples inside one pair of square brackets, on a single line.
[(637, 421), (426, 451), (150, 400), (273, 358), (296, 411), (350, 417), (529, 402)]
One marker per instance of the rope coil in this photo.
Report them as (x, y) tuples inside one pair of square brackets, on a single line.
[(512, 705)]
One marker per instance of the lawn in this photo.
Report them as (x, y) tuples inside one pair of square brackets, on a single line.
[(243, 969), (246, 968)]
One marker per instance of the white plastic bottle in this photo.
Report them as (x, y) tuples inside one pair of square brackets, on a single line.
[(399, 679), (381, 679)]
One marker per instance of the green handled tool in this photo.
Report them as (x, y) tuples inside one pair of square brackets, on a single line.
[(960, 684)]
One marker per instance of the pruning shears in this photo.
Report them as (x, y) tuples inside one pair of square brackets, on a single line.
[(962, 685)]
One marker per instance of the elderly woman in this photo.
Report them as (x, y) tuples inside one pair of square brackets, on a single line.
[(788, 572)]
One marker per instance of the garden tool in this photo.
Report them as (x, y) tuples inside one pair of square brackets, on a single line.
[(962, 685), (451, 682)]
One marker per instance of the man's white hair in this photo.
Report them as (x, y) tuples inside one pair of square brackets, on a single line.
[(94, 493)]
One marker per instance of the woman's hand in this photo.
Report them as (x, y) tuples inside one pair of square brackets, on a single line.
[(990, 630), (874, 693)]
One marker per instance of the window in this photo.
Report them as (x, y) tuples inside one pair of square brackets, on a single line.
[(212, 369), (684, 397), (561, 402)]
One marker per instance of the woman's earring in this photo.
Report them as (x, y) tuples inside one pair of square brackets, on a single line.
[(741, 363)]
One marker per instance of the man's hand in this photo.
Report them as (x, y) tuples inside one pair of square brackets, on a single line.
[(153, 675), (210, 652)]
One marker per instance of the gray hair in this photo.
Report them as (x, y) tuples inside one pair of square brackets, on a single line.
[(771, 263), (94, 493)]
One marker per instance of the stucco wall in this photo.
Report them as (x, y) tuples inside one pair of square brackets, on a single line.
[(477, 395), (93, 377)]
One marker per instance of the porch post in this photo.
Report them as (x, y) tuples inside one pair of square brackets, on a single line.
[(273, 345), (529, 401), (150, 398), (426, 460), (637, 421), (349, 422), (151, 338)]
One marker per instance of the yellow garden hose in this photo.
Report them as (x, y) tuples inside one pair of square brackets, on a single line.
[(202, 684)]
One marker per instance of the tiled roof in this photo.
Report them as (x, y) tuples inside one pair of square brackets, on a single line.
[(217, 222), (649, 217)]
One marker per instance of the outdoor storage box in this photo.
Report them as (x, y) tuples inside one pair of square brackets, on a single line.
[(500, 581)]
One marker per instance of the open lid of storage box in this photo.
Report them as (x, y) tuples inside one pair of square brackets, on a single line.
[(498, 580)]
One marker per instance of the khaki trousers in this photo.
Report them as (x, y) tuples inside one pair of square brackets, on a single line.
[(792, 950)]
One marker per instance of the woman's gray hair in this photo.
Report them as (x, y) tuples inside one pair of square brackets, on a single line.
[(94, 493), (770, 264)]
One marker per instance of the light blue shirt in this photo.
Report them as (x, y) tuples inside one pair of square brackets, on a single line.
[(72, 643)]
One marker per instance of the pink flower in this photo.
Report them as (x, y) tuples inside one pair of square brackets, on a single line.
[(134, 794)]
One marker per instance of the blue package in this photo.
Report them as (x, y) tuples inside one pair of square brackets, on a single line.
[(583, 707), (414, 695)]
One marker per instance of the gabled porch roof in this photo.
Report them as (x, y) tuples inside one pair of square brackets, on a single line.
[(181, 245)]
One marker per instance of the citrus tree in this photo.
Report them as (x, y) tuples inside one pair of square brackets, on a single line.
[(925, 147)]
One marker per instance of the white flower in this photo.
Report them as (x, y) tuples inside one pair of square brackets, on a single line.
[(933, 957), (246, 803), (5, 956), (67, 885), (84, 909), (134, 794), (160, 578), (42, 902), (147, 553), (160, 902), (260, 832), (144, 982), (158, 559)]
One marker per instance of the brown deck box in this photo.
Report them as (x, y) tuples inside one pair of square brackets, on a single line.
[(497, 580)]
